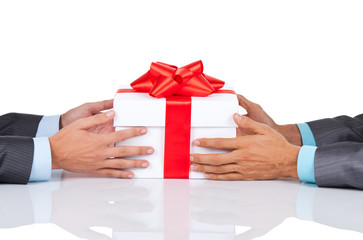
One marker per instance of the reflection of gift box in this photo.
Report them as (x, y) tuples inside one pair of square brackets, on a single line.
[(173, 122), (170, 216)]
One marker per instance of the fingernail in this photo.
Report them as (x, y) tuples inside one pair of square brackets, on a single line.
[(193, 167), (143, 130), (196, 142), (150, 151), (145, 165), (130, 176), (110, 113), (207, 175), (191, 158), (237, 117)]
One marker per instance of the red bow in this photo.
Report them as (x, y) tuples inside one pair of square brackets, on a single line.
[(164, 80)]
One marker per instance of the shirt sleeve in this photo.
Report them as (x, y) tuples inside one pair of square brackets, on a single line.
[(42, 158), (306, 157)]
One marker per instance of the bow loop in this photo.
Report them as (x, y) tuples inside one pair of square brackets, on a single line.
[(164, 80)]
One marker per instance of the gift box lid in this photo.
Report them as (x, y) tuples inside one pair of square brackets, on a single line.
[(140, 109)]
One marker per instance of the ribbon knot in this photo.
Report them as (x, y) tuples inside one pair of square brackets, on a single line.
[(164, 80)]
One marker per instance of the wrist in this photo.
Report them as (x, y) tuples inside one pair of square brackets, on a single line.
[(53, 148), (290, 132), (61, 121), (292, 153)]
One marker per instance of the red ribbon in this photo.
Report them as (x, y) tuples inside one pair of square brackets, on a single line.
[(177, 85), (164, 80)]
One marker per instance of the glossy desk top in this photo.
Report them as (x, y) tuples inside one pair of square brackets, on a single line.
[(174, 209)]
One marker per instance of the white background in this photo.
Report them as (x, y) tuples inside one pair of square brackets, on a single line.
[(301, 60)]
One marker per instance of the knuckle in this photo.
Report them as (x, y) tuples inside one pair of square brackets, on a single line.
[(143, 151), (217, 160), (107, 172), (257, 106), (118, 174), (196, 158), (239, 144), (99, 155), (220, 169), (200, 168), (218, 143), (246, 156), (135, 163), (122, 151), (94, 164), (136, 132), (120, 136)]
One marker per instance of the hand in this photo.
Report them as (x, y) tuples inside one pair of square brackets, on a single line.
[(75, 149), (256, 113), (265, 154), (88, 110)]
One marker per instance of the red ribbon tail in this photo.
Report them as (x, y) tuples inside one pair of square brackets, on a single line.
[(177, 137)]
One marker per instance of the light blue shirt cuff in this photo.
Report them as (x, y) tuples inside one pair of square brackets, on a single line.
[(48, 126), (307, 136), (42, 160), (305, 164)]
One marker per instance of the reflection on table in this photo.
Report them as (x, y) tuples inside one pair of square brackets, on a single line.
[(174, 209)]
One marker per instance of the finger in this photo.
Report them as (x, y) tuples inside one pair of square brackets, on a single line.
[(224, 177), (217, 143), (124, 151), (122, 135), (244, 102), (116, 173), (226, 168), (96, 107), (124, 163), (213, 159), (93, 121), (247, 123)]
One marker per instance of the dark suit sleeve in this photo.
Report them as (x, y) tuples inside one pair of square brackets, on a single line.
[(16, 146), (339, 165), (339, 129), (16, 159), (18, 124)]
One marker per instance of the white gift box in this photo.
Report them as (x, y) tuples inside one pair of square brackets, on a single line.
[(211, 117)]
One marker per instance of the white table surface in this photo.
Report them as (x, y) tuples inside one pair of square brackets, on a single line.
[(174, 209)]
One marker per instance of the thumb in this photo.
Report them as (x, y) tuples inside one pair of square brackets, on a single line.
[(247, 123), (95, 120)]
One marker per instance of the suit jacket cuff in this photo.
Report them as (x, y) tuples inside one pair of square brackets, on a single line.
[(42, 160)]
